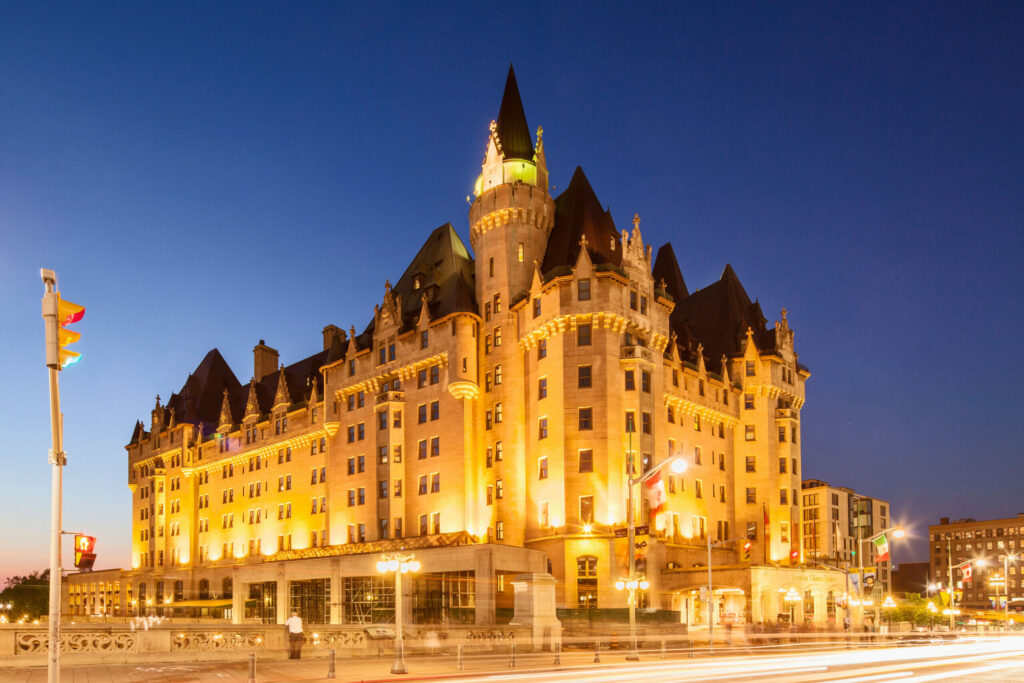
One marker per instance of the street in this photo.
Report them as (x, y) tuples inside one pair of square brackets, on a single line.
[(997, 658)]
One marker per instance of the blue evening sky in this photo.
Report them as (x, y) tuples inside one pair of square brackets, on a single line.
[(209, 174)]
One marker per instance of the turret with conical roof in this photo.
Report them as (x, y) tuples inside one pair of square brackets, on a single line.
[(513, 212)]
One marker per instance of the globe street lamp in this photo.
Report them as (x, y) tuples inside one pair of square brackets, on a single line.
[(889, 604), (932, 609), (677, 465), (398, 564)]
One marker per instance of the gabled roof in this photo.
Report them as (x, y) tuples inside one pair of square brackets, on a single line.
[(513, 131), (666, 268), (718, 317), (578, 213), (199, 400), (446, 275)]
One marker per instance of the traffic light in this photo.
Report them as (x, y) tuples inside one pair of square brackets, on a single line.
[(57, 315), (84, 555), (746, 550)]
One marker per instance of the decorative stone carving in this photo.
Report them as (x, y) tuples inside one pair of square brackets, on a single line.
[(39, 643)]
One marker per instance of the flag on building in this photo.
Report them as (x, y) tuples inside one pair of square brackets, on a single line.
[(881, 548), (656, 493), (965, 569)]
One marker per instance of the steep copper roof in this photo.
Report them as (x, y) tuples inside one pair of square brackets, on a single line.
[(446, 276), (200, 398), (513, 131), (718, 317), (578, 213), (666, 268)]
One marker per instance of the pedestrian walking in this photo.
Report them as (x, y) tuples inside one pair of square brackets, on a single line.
[(295, 636)]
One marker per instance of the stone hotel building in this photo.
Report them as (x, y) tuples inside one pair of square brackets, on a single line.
[(482, 420)]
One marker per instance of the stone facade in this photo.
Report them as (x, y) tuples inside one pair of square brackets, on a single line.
[(488, 412)]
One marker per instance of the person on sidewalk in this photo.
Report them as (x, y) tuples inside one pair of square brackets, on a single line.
[(295, 636)]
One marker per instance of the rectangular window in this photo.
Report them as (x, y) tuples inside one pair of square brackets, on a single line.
[(751, 495), (499, 489), (749, 365), (423, 525), (499, 531), (542, 388), (586, 418), (748, 433), (782, 435), (424, 339), (630, 421), (783, 496), (751, 464), (632, 300), (520, 252), (583, 335), (586, 460), (421, 379), (435, 374), (498, 414), (782, 465), (645, 422), (435, 522), (423, 485), (698, 488), (423, 449), (497, 375), (583, 290), (583, 376), (630, 381), (421, 413), (536, 307), (435, 446), (498, 451), (586, 509), (645, 382), (542, 349), (435, 410), (542, 468), (643, 305), (748, 401), (435, 482)]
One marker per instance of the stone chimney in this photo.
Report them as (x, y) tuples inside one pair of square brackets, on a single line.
[(264, 360), (330, 333), (943, 521)]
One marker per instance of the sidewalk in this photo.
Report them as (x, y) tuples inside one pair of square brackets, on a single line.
[(274, 667)]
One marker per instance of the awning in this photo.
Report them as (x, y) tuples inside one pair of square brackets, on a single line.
[(198, 603)]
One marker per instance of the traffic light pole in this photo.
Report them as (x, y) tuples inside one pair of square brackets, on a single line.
[(57, 461)]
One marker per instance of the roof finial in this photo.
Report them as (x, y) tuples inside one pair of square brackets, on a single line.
[(784, 314), (583, 241), (636, 221)]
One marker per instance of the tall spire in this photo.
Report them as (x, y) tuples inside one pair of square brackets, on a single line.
[(512, 129)]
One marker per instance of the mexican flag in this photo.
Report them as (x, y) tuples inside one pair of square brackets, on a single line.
[(656, 493), (881, 548)]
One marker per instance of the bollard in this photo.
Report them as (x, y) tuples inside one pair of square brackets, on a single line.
[(512, 662), (458, 660), (597, 652), (691, 649), (663, 652), (252, 668), (330, 663), (558, 654)]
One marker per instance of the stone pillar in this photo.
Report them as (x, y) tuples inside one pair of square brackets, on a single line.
[(283, 608), (238, 594), (535, 607), (485, 581)]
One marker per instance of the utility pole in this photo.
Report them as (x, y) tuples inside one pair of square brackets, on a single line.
[(57, 315)]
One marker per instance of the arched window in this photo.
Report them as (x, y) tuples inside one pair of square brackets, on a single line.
[(226, 588), (204, 589), (586, 581)]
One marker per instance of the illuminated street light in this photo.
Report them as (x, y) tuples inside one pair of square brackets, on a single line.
[(398, 564), (932, 609), (677, 465), (897, 532)]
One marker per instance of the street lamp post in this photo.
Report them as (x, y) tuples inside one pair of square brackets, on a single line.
[(398, 564), (677, 465), (897, 532)]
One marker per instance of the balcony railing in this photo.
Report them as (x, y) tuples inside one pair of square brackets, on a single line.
[(390, 397), (640, 352)]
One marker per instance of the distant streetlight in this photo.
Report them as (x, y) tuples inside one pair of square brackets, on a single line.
[(677, 465), (398, 565)]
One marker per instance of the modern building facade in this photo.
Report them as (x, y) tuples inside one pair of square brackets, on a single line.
[(993, 548), (834, 519), (484, 418)]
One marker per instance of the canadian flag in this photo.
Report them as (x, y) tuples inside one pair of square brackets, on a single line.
[(656, 493), (965, 569)]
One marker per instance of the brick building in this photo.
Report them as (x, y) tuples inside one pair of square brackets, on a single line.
[(986, 544)]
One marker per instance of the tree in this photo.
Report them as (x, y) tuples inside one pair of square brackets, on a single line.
[(28, 595)]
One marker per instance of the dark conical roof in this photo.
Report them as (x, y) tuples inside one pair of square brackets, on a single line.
[(666, 268), (513, 131), (578, 213), (202, 394)]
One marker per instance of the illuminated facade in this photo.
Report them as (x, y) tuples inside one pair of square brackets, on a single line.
[(484, 416), (993, 547), (834, 517)]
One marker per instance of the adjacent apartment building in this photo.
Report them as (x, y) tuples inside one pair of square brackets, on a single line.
[(483, 419), (992, 547), (834, 519)]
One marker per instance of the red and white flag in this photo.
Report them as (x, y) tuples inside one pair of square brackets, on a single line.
[(965, 569), (656, 493)]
